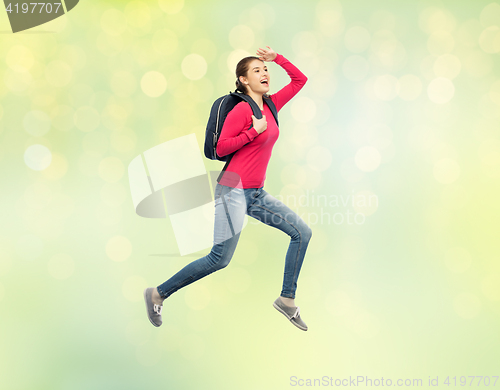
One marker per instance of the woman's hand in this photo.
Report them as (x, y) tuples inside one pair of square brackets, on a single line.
[(266, 54), (259, 124)]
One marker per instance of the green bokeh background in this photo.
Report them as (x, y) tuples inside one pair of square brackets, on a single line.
[(402, 104)]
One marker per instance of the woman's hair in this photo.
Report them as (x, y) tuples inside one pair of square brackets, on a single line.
[(242, 70)]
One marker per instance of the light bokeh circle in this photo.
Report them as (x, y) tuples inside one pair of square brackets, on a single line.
[(468, 32), (489, 40), (153, 84), (440, 42), (433, 19), (37, 157), (194, 66), (490, 15), (118, 248), (19, 58), (447, 66), (233, 58), (440, 90), (367, 158)]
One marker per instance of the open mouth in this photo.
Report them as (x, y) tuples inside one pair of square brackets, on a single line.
[(265, 82)]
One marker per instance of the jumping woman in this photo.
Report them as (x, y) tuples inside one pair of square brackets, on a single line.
[(240, 189)]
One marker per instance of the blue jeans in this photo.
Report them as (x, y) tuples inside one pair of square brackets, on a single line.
[(231, 204)]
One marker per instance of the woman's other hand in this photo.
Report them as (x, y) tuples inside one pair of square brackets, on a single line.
[(266, 54), (259, 124)]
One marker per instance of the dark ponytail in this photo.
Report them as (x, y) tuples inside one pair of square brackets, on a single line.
[(240, 87)]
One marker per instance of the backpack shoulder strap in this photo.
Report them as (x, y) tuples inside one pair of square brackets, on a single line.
[(255, 108), (272, 107)]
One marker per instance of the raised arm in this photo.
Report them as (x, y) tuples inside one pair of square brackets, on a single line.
[(237, 130), (298, 79)]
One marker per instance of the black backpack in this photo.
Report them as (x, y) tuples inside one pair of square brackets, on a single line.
[(218, 114)]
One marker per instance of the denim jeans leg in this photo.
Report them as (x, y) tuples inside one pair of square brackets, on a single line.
[(272, 212), (227, 230)]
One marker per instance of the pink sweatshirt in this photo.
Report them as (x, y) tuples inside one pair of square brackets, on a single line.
[(253, 150)]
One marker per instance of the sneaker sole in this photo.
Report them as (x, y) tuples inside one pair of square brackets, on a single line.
[(286, 315), (147, 311)]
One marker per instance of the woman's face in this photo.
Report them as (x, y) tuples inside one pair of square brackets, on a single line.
[(257, 78)]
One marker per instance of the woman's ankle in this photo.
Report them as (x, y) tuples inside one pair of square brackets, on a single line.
[(156, 298), (288, 301)]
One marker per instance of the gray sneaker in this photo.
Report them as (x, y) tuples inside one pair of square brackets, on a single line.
[(153, 310), (292, 313)]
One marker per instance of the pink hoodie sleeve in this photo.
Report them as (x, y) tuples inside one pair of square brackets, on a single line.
[(298, 79), (237, 130)]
